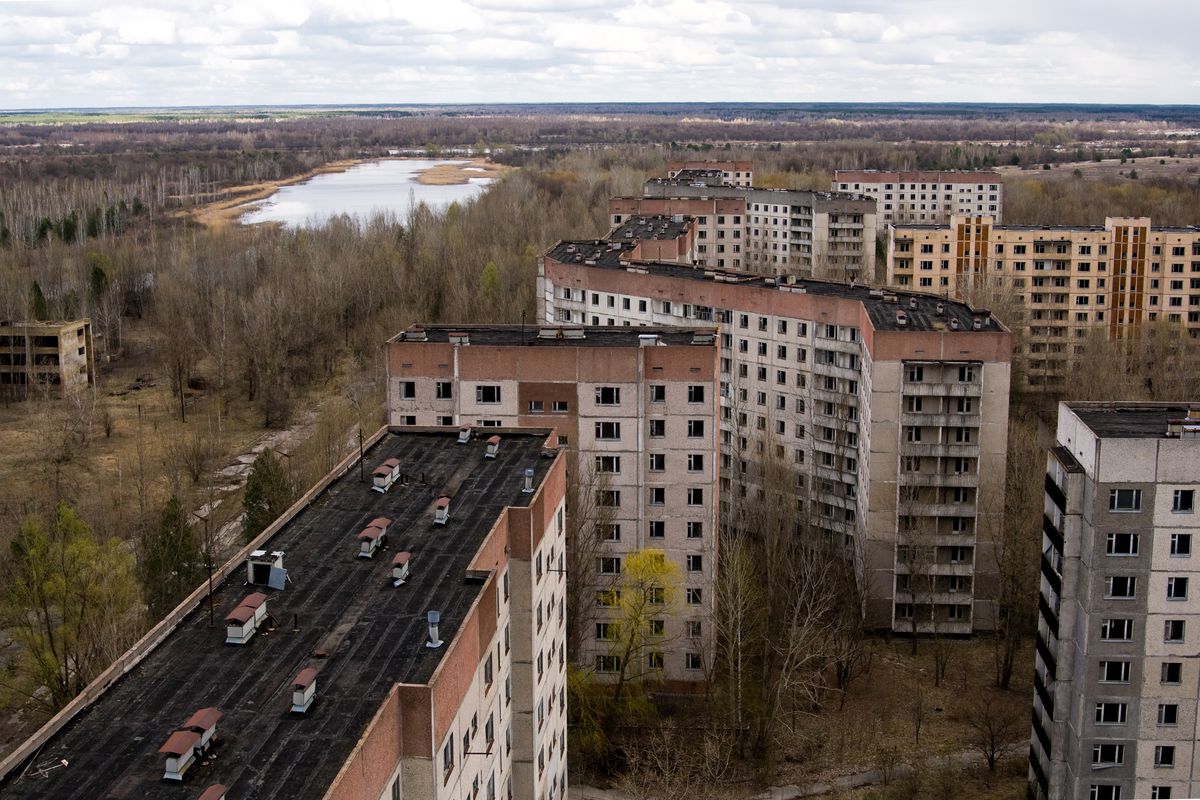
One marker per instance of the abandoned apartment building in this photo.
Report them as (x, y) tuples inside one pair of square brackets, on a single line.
[(416, 649), (57, 356)]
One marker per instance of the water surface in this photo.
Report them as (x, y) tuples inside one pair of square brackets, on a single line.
[(387, 186)]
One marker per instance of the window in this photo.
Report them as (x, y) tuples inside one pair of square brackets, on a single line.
[(694, 596), (608, 664), (608, 395), (407, 389), (487, 394), (695, 462), (1160, 793), (695, 394), (1108, 755), (444, 390), (658, 529), (654, 660), (695, 530), (448, 758), (658, 428), (537, 406), (487, 670), (1184, 501), (609, 565), (610, 464), (1114, 672), (1116, 630), (1173, 630), (695, 428), (1177, 588), (658, 495), (1121, 587), (1168, 714), (1111, 713), (1122, 544), (1172, 673), (695, 628), (1104, 792), (609, 531), (658, 393), (692, 661), (966, 374), (695, 563), (608, 430), (560, 406), (658, 462), (695, 497), (916, 374), (608, 498), (445, 422), (1181, 544), (1164, 755), (1125, 500)]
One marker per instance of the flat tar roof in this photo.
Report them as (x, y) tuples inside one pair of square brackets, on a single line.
[(557, 335), (375, 636), (650, 226), (1129, 420), (923, 316)]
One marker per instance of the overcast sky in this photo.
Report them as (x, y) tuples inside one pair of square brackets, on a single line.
[(199, 52)]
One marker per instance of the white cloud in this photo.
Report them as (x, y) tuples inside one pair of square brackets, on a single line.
[(178, 52)]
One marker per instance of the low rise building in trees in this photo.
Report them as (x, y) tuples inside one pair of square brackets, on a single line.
[(636, 411), (1063, 284), (1117, 675), (893, 407), (344, 684), (57, 355)]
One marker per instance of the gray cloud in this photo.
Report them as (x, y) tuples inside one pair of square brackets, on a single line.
[(187, 52)]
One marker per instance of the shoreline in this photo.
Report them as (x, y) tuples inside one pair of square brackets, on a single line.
[(228, 210)]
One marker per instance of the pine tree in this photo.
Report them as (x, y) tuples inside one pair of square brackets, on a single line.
[(173, 562), (268, 494), (39, 309)]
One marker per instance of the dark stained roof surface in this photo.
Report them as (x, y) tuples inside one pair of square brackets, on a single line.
[(548, 335), (375, 635), (650, 226), (1129, 420), (920, 310)]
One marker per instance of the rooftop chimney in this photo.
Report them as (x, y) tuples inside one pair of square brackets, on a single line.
[(941, 308), (304, 690), (912, 302), (441, 510), (433, 618), (493, 447), (464, 434), (528, 487)]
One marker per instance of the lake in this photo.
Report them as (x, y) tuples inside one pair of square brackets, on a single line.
[(388, 186)]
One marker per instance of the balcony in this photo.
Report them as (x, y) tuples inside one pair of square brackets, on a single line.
[(1056, 494), (941, 420), (1048, 613), (1052, 532), (938, 509), (1043, 694), (932, 389), (944, 449), (1052, 576), (1039, 731), (939, 479), (1039, 772), (1048, 659)]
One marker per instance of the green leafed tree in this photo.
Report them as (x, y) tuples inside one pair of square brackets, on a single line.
[(489, 286), (269, 492), (38, 307), (173, 560), (69, 601)]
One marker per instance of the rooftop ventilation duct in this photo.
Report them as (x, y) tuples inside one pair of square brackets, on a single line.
[(204, 722), (180, 750), (400, 567), (493, 447), (912, 302), (953, 324), (464, 434), (901, 319), (527, 488), (940, 308), (978, 325), (372, 537), (441, 510), (433, 618), (385, 475), (304, 690)]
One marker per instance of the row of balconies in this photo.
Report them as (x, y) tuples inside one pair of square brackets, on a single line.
[(945, 449), (938, 479), (951, 420), (947, 389)]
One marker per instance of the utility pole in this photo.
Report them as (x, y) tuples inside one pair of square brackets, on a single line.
[(362, 476), (208, 557)]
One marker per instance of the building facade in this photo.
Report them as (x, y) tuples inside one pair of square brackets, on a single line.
[(1065, 281), (1117, 678), (437, 665), (821, 235), (926, 197), (731, 173), (892, 407), (636, 410), (58, 355)]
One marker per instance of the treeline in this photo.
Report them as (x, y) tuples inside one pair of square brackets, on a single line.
[(1076, 201)]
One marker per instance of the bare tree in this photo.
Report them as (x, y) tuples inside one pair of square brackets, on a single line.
[(995, 730), (589, 523)]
